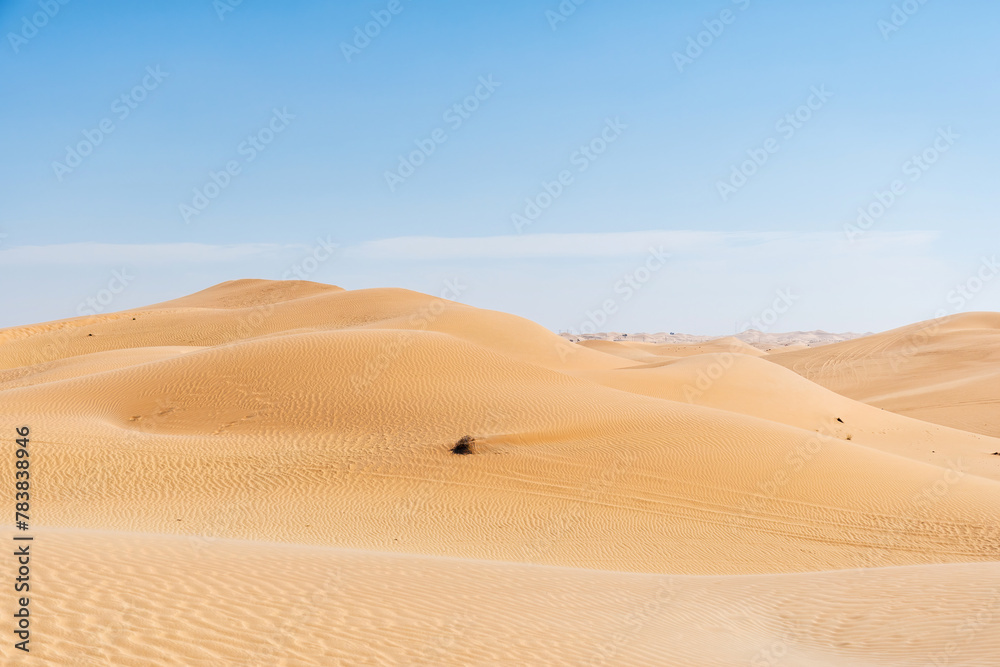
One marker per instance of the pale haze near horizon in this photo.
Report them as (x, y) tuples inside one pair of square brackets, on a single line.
[(533, 93)]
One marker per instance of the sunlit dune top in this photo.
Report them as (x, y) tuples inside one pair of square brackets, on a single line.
[(249, 292), (962, 322)]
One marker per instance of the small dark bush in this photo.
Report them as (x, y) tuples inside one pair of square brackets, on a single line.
[(840, 420), (463, 446)]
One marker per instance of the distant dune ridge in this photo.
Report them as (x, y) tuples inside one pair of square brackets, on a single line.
[(753, 337), (945, 371), (262, 473)]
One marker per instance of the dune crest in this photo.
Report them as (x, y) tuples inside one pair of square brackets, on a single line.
[(945, 371), (259, 423)]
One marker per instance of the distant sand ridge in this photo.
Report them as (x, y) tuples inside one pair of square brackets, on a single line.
[(259, 422), (752, 337)]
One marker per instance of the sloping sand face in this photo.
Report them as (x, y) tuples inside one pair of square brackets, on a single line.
[(223, 454), (944, 371), (137, 599)]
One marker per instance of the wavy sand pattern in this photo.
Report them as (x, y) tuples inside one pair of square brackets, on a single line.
[(261, 473)]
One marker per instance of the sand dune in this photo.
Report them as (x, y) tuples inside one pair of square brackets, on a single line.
[(194, 321), (746, 385), (761, 340), (249, 603), (299, 428), (945, 371), (651, 352)]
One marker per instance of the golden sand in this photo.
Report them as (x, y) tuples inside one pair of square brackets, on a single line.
[(261, 473)]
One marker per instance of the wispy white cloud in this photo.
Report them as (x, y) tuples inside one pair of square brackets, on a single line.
[(708, 244), (711, 279), (622, 244)]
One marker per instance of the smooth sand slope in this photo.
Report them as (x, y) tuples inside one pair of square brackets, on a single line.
[(295, 429), (945, 371), (747, 385), (653, 352), (139, 600)]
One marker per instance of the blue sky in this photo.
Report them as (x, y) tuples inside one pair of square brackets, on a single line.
[(328, 127)]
